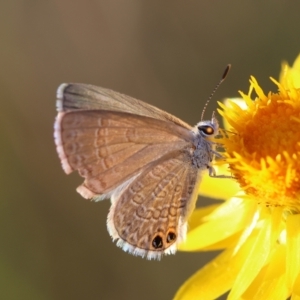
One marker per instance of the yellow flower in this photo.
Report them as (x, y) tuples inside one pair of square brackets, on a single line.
[(258, 226)]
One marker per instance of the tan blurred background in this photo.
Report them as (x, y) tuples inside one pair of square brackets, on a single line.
[(54, 244)]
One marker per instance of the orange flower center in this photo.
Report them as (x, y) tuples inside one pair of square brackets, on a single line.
[(264, 151)]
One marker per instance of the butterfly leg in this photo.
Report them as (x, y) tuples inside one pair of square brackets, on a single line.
[(212, 173), (218, 154)]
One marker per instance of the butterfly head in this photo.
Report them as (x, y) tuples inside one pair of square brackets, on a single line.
[(208, 128)]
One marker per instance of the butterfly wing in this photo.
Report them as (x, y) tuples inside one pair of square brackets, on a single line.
[(148, 218), (74, 96), (108, 148)]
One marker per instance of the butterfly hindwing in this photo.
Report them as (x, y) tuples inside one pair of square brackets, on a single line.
[(148, 217)]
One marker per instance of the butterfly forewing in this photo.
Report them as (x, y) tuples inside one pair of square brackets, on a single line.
[(107, 148), (86, 96)]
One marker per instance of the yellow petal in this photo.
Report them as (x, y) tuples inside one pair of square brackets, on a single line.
[(218, 276), (225, 243), (212, 280), (296, 289), (278, 225), (290, 76), (271, 281), (239, 101), (198, 214), (254, 260), (293, 248), (219, 188), (225, 221), (232, 205), (295, 297)]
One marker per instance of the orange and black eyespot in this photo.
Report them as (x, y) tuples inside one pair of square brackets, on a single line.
[(206, 129), (171, 236), (157, 242)]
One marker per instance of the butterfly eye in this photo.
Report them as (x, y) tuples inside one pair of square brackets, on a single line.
[(171, 237), (157, 242), (206, 130)]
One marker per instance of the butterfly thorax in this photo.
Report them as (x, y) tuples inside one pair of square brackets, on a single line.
[(203, 154), (204, 147)]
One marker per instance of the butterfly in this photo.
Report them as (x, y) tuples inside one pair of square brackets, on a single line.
[(147, 161)]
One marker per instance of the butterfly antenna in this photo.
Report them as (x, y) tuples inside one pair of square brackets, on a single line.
[(215, 89)]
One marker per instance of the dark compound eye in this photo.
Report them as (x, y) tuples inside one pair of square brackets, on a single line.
[(157, 242), (207, 130), (171, 237)]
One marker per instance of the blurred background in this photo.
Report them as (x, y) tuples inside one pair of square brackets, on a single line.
[(54, 244)]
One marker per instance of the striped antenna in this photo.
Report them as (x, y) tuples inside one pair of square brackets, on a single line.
[(215, 89)]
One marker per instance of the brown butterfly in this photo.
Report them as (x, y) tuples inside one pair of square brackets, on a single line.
[(147, 161)]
